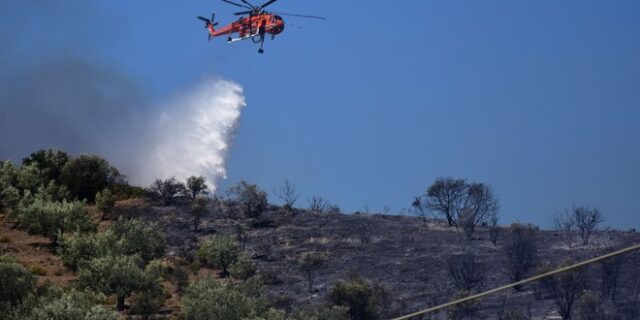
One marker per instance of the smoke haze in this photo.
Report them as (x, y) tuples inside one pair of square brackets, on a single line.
[(61, 93)]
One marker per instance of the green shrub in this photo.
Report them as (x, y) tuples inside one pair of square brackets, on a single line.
[(49, 163), (243, 268), (211, 300), (123, 191), (133, 237), (113, 275), (85, 175), (362, 299), (219, 251), (78, 250), (124, 237), (70, 306), (151, 297), (53, 219), (105, 201), (9, 196), (16, 282)]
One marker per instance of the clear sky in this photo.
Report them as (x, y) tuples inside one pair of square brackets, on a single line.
[(540, 99)]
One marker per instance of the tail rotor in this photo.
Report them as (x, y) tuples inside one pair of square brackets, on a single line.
[(209, 24)]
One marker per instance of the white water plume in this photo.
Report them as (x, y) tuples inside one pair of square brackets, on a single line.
[(193, 134)]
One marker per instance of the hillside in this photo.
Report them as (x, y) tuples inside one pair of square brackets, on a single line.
[(408, 258)]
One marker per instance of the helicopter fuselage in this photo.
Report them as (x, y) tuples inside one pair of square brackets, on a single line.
[(251, 26)]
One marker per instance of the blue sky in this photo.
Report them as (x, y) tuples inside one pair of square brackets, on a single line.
[(539, 99)]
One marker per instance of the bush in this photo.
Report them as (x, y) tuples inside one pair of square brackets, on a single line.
[(196, 186), (212, 300), (53, 219), (521, 252), (466, 271), (16, 282), (309, 263), (8, 173), (117, 275), (29, 178), (151, 297), (133, 237), (317, 204), (123, 191), (124, 237), (167, 190), (85, 175), (48, 163), (79, 249), (219, 251), (105, 201), (9, 196), (198, 210), (250, 197), (243, 268), (72, 305), (362, 300), (565, 288)]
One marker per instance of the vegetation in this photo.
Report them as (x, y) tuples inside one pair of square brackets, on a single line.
[(167, 190), (565, 288), (583, 220), (17, 283), (243, 268), (213, 300), (198, 210), (86, 175), (252, 200), (363, 300), (117, 275), (196, 187), (71, 305), (288, 194), (121, 264), (521, 252), (466, 271), (53, 219), (318, 204), (461, 203), (219, 251), (309, 263), (105, 201)]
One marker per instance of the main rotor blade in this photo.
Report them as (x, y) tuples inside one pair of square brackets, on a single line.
[(300, 15), (249, 4), (267, 4), (236, 4), (242, 12)]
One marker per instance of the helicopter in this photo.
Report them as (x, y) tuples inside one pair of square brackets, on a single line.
[(255, 26)]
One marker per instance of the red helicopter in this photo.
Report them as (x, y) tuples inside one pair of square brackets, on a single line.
[(255, 26)]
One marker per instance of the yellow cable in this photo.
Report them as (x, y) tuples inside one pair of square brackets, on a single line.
[(521, 282)]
